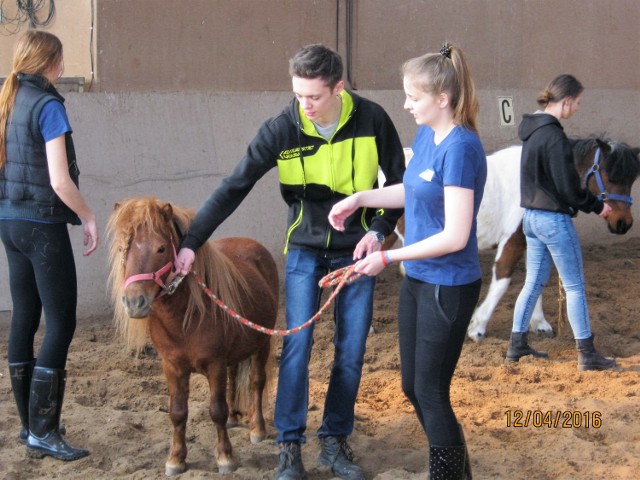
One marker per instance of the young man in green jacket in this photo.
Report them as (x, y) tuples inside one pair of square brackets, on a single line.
[(327, 144)]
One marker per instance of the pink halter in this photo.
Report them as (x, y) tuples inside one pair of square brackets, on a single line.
[(155, 276)]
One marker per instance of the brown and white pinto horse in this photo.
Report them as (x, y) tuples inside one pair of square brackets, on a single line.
[(190, 332), (608, 169)]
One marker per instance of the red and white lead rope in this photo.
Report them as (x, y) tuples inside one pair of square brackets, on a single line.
[(338, 277)]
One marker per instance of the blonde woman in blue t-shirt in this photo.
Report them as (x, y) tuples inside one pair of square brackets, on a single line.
[(441, 193)]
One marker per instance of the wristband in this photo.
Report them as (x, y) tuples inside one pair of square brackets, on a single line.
[(386, 261)]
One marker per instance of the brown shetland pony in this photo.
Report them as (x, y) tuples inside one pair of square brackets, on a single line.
[(190, 332)]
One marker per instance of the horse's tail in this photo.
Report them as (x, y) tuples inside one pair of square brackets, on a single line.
[(242, 394)]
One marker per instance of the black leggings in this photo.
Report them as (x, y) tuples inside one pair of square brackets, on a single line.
[(42, 275), (432, 325)]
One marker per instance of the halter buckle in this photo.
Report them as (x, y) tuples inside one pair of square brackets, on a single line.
[(173, 286)]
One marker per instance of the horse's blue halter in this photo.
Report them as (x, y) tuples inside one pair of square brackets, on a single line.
[(603, 195)]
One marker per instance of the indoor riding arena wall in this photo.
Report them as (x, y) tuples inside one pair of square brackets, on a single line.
[(164, 96)]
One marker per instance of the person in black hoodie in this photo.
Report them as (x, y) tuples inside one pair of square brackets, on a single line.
[(326, 144), (551, 194), (39, 196)]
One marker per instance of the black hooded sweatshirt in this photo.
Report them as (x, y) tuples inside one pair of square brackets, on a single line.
[(549, 179)]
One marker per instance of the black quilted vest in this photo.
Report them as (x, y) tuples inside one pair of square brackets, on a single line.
[(25, 185)]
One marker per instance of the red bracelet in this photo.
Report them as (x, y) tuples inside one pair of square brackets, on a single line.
[(386, 261)]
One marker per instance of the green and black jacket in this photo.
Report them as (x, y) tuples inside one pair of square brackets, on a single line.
[(314, 174)]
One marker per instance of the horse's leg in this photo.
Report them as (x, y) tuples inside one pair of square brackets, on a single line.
[(258, 380), (508, 256), (538, 323), (178, 383), (483, 312), (219, 412), (232, 398)]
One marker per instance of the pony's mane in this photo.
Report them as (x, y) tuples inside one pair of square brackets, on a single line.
[(218, 272), (623, 164)]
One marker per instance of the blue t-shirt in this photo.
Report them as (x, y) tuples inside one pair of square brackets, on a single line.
[(459, 160), (53, 121)]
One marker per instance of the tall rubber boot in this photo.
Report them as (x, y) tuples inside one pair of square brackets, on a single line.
[(20, 374), (590, 359), (519, 347), (45, 406), (467, 463), (447, 463)]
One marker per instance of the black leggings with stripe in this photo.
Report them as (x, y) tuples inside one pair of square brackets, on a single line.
[(432, 325), (42, 277)]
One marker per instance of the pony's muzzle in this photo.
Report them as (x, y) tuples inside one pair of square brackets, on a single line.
[(620, 227), (136, 306)]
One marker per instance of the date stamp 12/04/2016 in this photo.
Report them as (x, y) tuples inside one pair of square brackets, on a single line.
[(553, 419)]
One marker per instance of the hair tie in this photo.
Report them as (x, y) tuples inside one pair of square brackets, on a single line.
[(445, 51)]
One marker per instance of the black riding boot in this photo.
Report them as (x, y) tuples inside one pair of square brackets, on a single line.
[(20, 374), (519, 347), (45, 406), (467, 463), (448, 463), (589, 358)]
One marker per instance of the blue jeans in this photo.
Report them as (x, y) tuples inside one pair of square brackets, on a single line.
[(353, 310), (551, 236)]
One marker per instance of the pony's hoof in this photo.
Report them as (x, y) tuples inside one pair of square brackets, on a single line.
[(172, 470), (545, 332), (257, 437), (477, 337), (540, 326), (227, 466)]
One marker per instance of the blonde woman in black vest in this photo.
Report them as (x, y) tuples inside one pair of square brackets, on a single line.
[(39, 196)]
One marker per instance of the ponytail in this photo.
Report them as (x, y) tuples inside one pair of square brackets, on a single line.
[(559, 88), (447, 72), (7, 101)]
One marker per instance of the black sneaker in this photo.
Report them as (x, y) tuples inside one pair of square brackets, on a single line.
[(337, 454), (290, 462)]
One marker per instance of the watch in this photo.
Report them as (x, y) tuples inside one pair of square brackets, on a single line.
[(378, 235)]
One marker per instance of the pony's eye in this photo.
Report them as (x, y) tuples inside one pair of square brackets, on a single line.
[(162, 249)]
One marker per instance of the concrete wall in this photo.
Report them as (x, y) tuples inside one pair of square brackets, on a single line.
[(244, 45), (178, 146), (181, 87)]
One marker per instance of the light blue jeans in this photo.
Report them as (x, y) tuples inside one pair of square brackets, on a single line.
[(551, 236), (353, 311)]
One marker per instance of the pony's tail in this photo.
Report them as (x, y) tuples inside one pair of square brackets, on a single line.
[(242, 395)]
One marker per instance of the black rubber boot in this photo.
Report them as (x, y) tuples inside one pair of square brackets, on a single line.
[(45, 406), (467, 463), (290, 465), (447, 463), (337, 454), (20, 374), (589, 358), (519, 347)]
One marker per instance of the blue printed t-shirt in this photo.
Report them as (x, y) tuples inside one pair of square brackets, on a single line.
[(53, 120), (459, 160)]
